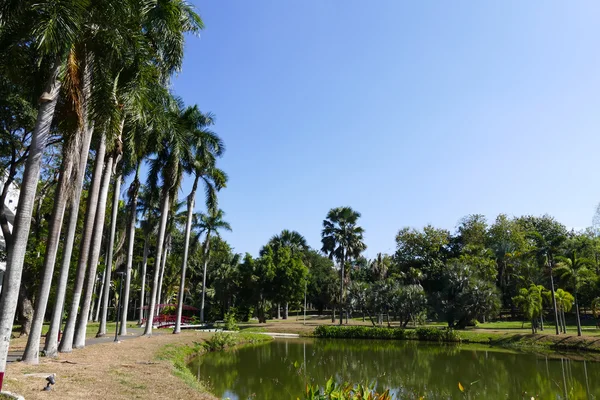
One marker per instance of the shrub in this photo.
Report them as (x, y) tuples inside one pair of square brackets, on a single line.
[(361, 332), (368, 332), (230, 322), (220, 341), (437, 335)]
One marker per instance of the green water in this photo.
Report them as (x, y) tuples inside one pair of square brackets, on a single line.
[(410, 369)]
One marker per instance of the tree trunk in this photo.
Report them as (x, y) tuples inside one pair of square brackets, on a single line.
[(286, 310), (31, 354), (94, 298), (109, 255), (206, 257), (25, 311), (66, 343), (554, 301), (159, 298), (278, 315), (22, 225), (51, 343), (143, 289), (186, 246), (577, 314), (133, 197), (161, 237), (342, 286), (100, 296), (96, 243)]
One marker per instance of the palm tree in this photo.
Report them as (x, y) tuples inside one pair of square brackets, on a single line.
[(529, 300), (342, 239), (380, 266), (36, 22), (209, 223), (109, 257), (208, 146), (573, 271), (168, 166), (564, 300)]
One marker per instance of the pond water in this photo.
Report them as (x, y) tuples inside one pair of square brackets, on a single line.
[(279, 370)]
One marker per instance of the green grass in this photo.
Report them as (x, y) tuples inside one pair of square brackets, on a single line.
[(180, 354)]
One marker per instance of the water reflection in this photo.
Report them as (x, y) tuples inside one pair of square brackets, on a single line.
[(280, 370)]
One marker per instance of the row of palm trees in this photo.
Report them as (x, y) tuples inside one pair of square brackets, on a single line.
[(106, 67)]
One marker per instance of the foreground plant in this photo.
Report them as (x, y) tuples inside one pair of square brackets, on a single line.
[(346, 391)]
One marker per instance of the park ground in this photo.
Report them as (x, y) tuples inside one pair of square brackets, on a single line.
[(139, 367)]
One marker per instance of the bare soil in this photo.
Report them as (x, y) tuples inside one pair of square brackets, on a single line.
[(125, 370)]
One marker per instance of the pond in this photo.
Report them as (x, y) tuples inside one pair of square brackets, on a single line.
[(279, 370)]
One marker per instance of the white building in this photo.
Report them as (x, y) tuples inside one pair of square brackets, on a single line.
[(10, 208)]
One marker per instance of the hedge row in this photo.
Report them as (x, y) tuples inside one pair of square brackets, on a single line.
[(368, 332)]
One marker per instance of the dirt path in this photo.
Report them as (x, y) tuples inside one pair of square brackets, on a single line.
[(107, 370)]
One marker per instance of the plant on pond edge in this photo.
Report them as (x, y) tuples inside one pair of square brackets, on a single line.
[(346, 391)]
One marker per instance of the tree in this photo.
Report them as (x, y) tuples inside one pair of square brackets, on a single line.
[(546, 236), (529, 301), (564, 300), (342, 239), (296, 243), (38, 24), (209, 224), (573, 271), (208, 146)]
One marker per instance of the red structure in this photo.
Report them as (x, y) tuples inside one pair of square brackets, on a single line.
[(166, 315)]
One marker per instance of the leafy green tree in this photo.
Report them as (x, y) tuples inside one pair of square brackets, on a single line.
[(322, 281), (342, 239), (529, 301), (546, 236), (573, 271)]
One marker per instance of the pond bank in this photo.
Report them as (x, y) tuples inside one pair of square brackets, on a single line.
[(500, 339)]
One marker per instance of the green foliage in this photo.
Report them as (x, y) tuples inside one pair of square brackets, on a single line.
[(367, 332), (431, 334), (347, 391), (229, 321), (220, 341)]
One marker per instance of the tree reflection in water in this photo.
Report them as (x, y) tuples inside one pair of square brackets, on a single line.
[(281, 369)]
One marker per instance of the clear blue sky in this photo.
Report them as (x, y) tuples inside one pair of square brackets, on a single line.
[(410, 112)]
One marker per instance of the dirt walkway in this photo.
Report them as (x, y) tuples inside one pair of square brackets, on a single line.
[(107, 370)]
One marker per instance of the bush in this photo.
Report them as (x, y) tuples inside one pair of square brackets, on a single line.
[(436, 335), (361, 332), (368, 332), (220, 341), (230, 322)]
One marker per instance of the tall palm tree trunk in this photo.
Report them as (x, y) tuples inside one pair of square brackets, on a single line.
[(186, 247), (554, 302), (99, 304), (206, 257), (133, 195), (51, 343), (80, 332), (87, 129), (342, 288), (109, 255), (143, 289), (66, 342), (577, 313), (159, 298), (161, 237), (31, 354), (22, 223)]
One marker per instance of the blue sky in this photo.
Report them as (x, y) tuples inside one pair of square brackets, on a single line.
[(409, 112)]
